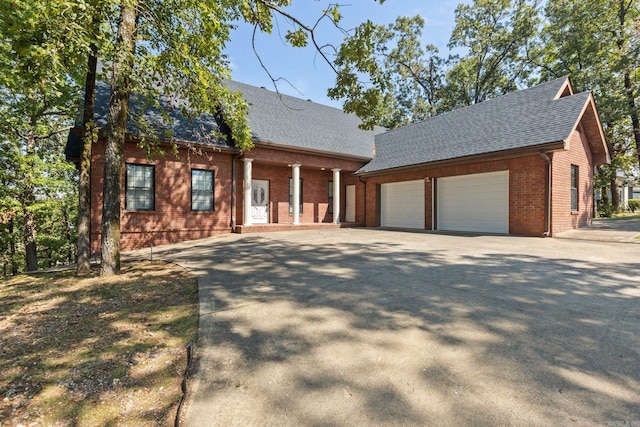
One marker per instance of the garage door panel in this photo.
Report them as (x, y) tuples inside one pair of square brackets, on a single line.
[(478, 202), (402, 204)]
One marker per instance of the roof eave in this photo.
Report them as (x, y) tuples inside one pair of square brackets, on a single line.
[(183, 143), (271, 144), (496, 155)]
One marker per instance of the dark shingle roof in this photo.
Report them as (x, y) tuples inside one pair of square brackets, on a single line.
[(289, 121), (181, 128), (522, 119), (274, 119)]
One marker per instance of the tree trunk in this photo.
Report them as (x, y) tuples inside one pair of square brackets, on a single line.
[(116, 129), (12, 249), (633, 111), (84, 181), (27, 200), (623, 11), (615, 197)]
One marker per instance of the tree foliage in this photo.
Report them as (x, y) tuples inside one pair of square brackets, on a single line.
[(596, 43), (405, 78), (38, 91), (495, 35)]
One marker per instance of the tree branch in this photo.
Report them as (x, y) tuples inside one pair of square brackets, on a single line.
[(311, 31)]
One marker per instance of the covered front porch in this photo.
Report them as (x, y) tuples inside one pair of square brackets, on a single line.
[(280, 190)]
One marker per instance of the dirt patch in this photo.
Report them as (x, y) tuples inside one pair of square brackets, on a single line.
[(96, 351)]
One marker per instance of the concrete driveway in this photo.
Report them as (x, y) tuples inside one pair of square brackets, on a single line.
[(607, 230), (370, 327)]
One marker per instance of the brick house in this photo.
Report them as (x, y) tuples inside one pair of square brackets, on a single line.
[(522, 163), (519, 164)]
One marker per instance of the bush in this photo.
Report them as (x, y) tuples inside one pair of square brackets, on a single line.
[(606, 210), (634, 205)]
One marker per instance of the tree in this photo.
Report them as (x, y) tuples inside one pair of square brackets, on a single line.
[(9, 209), (495, 35), (89, 137), (596, 44), (404, 78), (37, 86)]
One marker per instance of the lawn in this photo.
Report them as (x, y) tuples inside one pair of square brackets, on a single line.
[(96, 351), (622, 216)]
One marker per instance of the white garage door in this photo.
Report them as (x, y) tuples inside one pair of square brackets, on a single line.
[(402, 204), (478, 202)]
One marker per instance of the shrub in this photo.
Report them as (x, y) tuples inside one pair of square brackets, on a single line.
[(634, 205), (606, 210)]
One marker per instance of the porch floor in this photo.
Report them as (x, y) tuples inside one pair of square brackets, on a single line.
[(265, 228)]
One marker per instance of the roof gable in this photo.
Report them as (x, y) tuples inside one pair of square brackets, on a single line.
[(540, 116)]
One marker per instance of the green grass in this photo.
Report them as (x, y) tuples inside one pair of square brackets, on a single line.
[(621, 216)]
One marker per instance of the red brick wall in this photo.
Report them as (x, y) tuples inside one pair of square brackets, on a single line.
[(527, 176), (579, 154), (172, 220)]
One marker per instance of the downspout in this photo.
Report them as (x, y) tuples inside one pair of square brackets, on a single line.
[(433, 204), (233, 192), (547, 219), (365, 200)]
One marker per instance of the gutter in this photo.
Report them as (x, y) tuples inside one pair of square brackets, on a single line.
[(233, 192), (547, 219), (364, 181)]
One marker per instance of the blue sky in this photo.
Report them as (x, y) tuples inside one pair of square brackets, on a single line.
[(308, 72)]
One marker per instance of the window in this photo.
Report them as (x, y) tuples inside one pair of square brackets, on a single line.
[(291, 195), (139, 194), (201, 190), (330, 210), (574, 187)]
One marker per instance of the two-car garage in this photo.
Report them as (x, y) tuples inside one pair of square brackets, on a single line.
[(476, 203)]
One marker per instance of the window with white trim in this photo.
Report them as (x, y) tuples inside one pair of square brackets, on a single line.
[(139, 194), (202, 193), (574, 187)]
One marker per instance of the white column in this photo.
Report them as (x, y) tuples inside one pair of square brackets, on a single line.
[(336, 196), (625, 196), (247, 191), (296, 193)]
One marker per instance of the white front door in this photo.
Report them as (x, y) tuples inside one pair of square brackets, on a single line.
[(259, 201), (350, 208)]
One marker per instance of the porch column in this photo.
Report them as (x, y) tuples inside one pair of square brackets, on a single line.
[(625, 196), (336, 196), (296, 193), (247, 191)]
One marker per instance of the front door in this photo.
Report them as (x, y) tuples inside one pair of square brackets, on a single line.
[(259, 201), (350, 208)]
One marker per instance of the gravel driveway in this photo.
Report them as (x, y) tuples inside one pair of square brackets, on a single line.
[(371, 327)]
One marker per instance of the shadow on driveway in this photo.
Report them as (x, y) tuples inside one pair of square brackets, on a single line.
[(369, 327)]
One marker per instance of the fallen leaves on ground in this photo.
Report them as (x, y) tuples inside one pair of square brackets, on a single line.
[(95, 350)]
